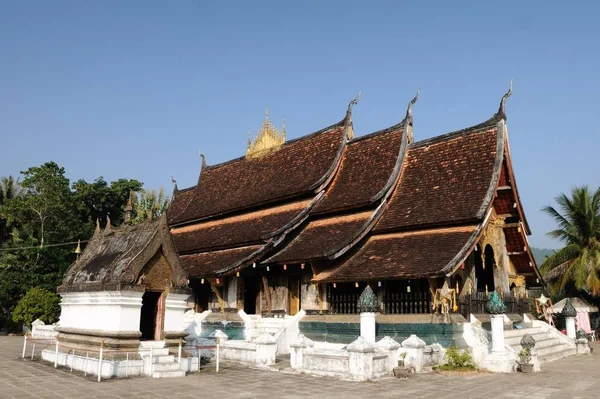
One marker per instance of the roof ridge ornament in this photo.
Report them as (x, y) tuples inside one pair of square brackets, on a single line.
[(348, 119), (202, 160), (268, 139), (408, 119), (502, 110), (129, 207)]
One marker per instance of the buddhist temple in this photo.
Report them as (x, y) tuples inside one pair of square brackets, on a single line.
[(306, 224)]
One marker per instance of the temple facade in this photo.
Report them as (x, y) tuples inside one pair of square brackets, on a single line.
[(306, 224)]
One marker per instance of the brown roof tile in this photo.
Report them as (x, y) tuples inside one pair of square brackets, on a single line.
[(180, 201), (297, 168), (239, 230), (445, 180), (402, 255), (366, 167), (207, 263), (320, 237)]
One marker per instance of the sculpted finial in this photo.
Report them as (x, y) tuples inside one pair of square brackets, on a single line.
[(409, 119), (202, 159), (502, 110), (352, 104), (411, 103)]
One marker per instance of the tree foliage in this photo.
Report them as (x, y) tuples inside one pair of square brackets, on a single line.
[(40, 214), (577, 264), (38, 303), (150, 205)]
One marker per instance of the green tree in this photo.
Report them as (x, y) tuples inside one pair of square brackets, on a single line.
[(46, 215), (150, 205), (99, 200), (38, 303), (9, 189), (577, 264)]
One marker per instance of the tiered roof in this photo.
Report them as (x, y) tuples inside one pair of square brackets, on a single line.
[(375, 207)]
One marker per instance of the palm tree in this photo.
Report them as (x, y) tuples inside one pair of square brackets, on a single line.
[(578, 262), (9, 189)]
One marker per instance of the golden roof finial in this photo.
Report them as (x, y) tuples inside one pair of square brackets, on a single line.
[(268, 139)]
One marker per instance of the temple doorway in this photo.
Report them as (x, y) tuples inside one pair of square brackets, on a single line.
[(151, 316), (484, 269), (251, 294), (294, 295)]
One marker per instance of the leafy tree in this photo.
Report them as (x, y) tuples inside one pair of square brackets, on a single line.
[(9, 189), (577, 264), (97, 200), (45, 214), (38, 303), (151, 205)]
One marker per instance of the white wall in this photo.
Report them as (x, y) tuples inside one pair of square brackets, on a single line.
[(175, 308), (102, 310)]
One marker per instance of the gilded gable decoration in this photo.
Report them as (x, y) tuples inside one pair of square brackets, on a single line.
[(268, 139)]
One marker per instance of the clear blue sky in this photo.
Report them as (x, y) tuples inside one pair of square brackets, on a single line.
[(133, 89)]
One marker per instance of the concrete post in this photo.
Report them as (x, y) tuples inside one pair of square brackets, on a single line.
[(361, 359), (497, 333), (392, 348), (367, 326), (297, 351), (266, 350), (570, 323), (414, 347)]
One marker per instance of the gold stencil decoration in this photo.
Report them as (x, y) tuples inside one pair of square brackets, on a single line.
[(268, 139)]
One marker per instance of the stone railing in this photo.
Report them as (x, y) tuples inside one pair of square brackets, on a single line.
[(40, 330), (359, 361)]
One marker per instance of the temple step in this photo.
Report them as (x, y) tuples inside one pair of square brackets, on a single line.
[(521, 332), (550, 357), (168, 374), (173, 366), (163, 359), (155, 352)]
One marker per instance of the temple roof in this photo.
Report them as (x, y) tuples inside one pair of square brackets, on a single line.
[(299, 167), (418, 254), (321, 237), (115, 257), (446, 180), (237, 230), (209, 263), (366, 167)]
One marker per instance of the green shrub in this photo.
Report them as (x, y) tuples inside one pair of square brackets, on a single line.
[(37, 303), (458, 360)]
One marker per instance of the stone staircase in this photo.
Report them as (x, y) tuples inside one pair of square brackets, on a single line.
[(548, 346), (163, 364), (268, 325)]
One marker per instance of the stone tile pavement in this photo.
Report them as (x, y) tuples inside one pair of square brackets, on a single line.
[(576, 377)]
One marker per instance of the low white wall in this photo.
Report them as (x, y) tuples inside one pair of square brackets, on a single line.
[(110, 368), (41, 331), (101, 310), (359, 361)]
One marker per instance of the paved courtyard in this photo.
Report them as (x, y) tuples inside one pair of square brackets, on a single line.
[(576, 377)]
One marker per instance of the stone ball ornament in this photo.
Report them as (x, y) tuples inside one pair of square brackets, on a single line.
[(495, 304)]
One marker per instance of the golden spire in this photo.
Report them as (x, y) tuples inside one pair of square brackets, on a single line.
[(269, 138)]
